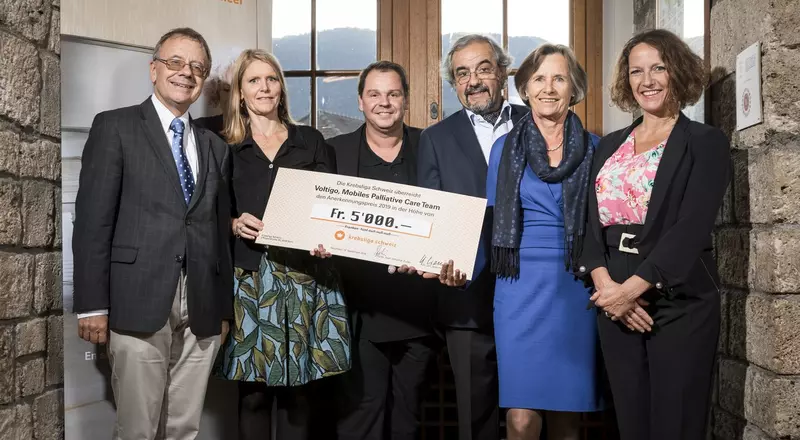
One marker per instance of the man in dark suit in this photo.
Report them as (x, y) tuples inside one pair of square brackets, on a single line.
[(391, 314), (152, 267), (453, 157)]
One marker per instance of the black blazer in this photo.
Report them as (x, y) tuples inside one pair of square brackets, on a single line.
[(690, 184), (451, 159), (133, 231), (385, 307)]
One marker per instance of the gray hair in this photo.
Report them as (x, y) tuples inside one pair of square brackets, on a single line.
[(501, 57), (578, 80)]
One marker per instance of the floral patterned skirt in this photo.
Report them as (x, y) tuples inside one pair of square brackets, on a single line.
[(290, 326)]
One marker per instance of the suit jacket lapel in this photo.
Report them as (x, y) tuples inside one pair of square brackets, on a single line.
[(674, 151), (151, 125), (517, 113), (468, 143), (347, 161), (203, 143)]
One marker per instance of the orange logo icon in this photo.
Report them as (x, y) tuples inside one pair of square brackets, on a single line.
[(339, 235)]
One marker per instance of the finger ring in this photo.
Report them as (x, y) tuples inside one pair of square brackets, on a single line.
[(607, 315)]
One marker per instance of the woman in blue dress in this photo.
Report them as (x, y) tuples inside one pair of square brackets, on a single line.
[(537, 185)]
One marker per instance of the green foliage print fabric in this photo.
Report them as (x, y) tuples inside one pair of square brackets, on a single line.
[(290, 328)]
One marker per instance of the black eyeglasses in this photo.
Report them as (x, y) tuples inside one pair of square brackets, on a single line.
[(177, 64)]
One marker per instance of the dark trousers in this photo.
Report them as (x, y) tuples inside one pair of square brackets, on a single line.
[(661, 381), (473, 357), (382, 392), (255, 412)]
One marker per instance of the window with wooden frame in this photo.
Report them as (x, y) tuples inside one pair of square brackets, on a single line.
[(322, 46), (418, 33)]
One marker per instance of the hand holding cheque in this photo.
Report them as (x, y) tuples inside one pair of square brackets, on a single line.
[(398, 225)]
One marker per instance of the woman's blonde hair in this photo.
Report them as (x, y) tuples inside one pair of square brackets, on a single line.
[(237, 119)]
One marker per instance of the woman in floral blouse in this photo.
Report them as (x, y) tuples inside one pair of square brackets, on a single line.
[(658, 185)]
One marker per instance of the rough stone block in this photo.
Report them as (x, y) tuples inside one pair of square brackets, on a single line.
[(723, 103), (8, 427), (787, 21), (740, 187), (732, 31), (47, 283), (9, 152), (20, 80), (10, 217), (775, 259), (55, 350), (773, 403), (24, 422), (51, 95), (6, 366), (724, 326), (57, 241), (30, 377), (31, 18), (771, 332), (726, 425), (31, 336), (732, 380), (781, 89), (48, 416), (54, 40), (775, 190), (751, 432), (16, 285), (737, 324), (38, 213), (40, 159), (733, 256)]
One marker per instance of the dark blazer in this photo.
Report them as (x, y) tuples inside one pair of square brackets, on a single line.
[(689, 186), (213, 124), (451, 159), (386, 307), (133, 231)]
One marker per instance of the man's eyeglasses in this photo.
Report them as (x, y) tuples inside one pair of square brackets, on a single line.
[(484, 72), (177, 65)]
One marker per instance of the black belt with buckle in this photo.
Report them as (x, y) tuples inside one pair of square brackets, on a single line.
[(622, 238)]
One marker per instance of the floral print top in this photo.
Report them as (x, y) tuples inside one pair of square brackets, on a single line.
[(625, 183)]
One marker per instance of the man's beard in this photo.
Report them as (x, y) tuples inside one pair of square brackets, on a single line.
[(480, 108)]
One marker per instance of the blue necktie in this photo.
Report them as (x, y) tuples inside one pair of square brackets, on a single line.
[(184, 170)]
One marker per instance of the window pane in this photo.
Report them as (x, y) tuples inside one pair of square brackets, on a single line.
[(461, 17), (337, 105), (291, 33), (346, 35), (299, 99), (513, 96), (523, 37)]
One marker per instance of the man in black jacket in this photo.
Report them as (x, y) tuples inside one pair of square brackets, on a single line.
[(153, 270), (391, 314)]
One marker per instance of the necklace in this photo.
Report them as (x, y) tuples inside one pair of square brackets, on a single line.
[(556, 148)]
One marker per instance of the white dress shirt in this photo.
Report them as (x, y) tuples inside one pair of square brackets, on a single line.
[(488, 133), (189, 149)]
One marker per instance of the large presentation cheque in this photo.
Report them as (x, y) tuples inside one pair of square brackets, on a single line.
[(373, 220)]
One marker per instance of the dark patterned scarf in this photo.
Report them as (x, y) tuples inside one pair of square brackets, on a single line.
[(525, 145)]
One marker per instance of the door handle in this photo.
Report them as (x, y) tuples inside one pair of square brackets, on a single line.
[(434, 110)]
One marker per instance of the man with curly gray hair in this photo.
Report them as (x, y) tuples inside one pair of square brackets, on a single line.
[(453, 157)]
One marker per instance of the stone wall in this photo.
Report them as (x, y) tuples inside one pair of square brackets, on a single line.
[(31, 335), (758, 238), (757, 386)]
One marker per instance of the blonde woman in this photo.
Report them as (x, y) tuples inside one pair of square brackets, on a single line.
[(290, 321)]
